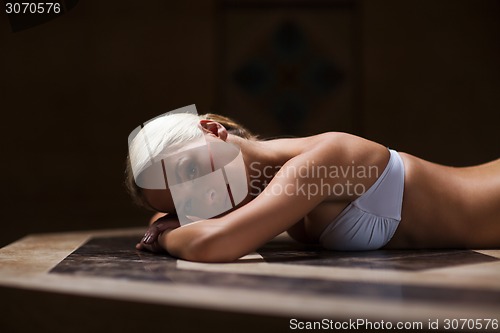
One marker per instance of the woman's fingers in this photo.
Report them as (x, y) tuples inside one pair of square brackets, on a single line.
[(149, 241), (157, 228), (155, 247)]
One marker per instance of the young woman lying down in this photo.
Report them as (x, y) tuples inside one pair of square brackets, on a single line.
[(224, 193)]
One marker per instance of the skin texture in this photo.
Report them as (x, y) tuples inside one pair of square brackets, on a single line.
[(443, 207)]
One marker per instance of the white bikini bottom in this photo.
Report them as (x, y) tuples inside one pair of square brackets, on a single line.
[(370, 221)]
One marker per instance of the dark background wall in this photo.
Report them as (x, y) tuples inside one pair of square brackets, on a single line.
[(419, 76)]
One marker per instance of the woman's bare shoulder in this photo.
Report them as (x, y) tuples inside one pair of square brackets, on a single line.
[(312, 139), (340, 147), (305, 144)]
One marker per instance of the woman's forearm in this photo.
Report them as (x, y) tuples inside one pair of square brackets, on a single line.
[(199, 241)]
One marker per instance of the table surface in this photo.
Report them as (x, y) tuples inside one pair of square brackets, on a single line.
[(283, 278)]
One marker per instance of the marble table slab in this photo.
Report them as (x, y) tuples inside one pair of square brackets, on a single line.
[(283, 280)]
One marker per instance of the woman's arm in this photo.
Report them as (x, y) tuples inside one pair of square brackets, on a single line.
[(244, 230), (156, 217), (287, 199)]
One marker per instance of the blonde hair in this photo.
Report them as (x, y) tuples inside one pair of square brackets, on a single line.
[(167, 131)]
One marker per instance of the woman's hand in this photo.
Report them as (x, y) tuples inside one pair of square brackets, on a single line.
[(151, 240)]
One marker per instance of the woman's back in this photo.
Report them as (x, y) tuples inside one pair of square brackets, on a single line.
[(448, 207)]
